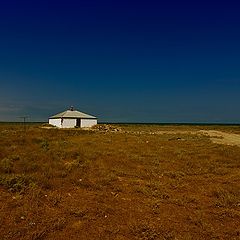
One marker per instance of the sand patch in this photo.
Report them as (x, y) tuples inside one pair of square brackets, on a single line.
[(223, 137)]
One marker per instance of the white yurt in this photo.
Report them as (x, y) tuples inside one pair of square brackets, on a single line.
[(72, 118)]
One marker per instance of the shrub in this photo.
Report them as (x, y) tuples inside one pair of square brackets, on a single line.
[(227, 197), (6, 165), (80, 162), (144, 231), (15, 183), (15, 157), (45, 145)]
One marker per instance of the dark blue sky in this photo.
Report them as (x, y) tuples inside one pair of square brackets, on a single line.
[(126, 61)]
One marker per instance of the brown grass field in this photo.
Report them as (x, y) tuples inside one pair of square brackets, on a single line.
[(142, 182)]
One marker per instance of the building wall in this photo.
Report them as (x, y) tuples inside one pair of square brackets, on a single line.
[(69, 123), (55, 122), (88, 122)]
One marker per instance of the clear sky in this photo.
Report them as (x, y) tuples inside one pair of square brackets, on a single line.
[(123, 61)]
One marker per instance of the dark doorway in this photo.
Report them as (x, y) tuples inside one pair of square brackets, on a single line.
[(78, 122)]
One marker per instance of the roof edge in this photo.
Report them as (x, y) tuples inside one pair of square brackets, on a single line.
[(72, 115)]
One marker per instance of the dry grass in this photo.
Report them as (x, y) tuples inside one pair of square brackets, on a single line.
[(131, 184)]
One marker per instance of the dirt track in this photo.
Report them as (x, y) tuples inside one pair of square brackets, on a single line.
[(222, 137)]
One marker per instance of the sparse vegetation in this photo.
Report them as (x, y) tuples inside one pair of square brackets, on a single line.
[(118, 182)]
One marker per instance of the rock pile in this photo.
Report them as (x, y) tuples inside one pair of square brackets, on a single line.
[(106, 128)]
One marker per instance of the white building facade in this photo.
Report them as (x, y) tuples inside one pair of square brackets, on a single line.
[(72, 118)]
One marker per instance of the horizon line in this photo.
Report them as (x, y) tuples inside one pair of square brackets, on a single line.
[(137, 123)]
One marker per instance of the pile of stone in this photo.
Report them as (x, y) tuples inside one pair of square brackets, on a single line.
[(106, 128)]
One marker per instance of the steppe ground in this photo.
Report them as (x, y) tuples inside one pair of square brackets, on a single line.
[(120, 182)]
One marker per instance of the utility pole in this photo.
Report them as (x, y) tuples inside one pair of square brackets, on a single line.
[(24, 122)]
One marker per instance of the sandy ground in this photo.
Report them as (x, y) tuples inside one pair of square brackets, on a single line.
[(222, 137), (215, 136)]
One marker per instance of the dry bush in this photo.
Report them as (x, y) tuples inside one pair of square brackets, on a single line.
[(6, 165), (16, 183), (227, 196)]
